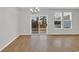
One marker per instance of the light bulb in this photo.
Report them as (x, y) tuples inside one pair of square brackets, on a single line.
[(35, 11), (38, 9), (31, 10)]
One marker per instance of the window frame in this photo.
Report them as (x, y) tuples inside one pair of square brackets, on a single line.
[(58, 20), (70, 13)]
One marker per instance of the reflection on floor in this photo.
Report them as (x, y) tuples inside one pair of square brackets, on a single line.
[(44, 43)]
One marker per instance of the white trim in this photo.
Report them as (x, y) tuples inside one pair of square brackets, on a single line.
[(63, 34), (25, 34), (9, 43)]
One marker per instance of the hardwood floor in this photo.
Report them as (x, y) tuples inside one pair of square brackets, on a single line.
[(20, 44), (44, 43)]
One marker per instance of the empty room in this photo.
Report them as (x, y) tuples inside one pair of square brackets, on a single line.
[(39, 29)]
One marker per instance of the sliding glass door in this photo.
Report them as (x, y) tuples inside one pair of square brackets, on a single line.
[(39, 24)]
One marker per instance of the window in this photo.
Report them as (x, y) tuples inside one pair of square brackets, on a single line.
[(58, 20), (63, 20), (67, 24), (57, 24), (67, 20)]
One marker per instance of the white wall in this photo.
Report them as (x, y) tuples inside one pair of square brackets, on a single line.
[(26, 26), (24, 21), (8, 25), (16, 21), (75, 21)]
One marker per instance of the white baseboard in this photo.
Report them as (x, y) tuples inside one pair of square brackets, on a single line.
[(63, 34), (51, 34), (25, 34), (9, 42)]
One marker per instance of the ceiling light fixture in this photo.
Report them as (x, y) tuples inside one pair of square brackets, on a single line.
[(35, 10)]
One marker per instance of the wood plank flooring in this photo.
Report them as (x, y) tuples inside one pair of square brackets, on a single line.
[(44, 43)]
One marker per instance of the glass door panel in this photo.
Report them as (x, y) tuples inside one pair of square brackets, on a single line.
[(43, 24), (35, 26)]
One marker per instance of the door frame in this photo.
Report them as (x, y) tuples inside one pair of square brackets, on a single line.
[(39, 20)]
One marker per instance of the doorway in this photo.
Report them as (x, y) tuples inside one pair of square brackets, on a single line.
[(39, 24)]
